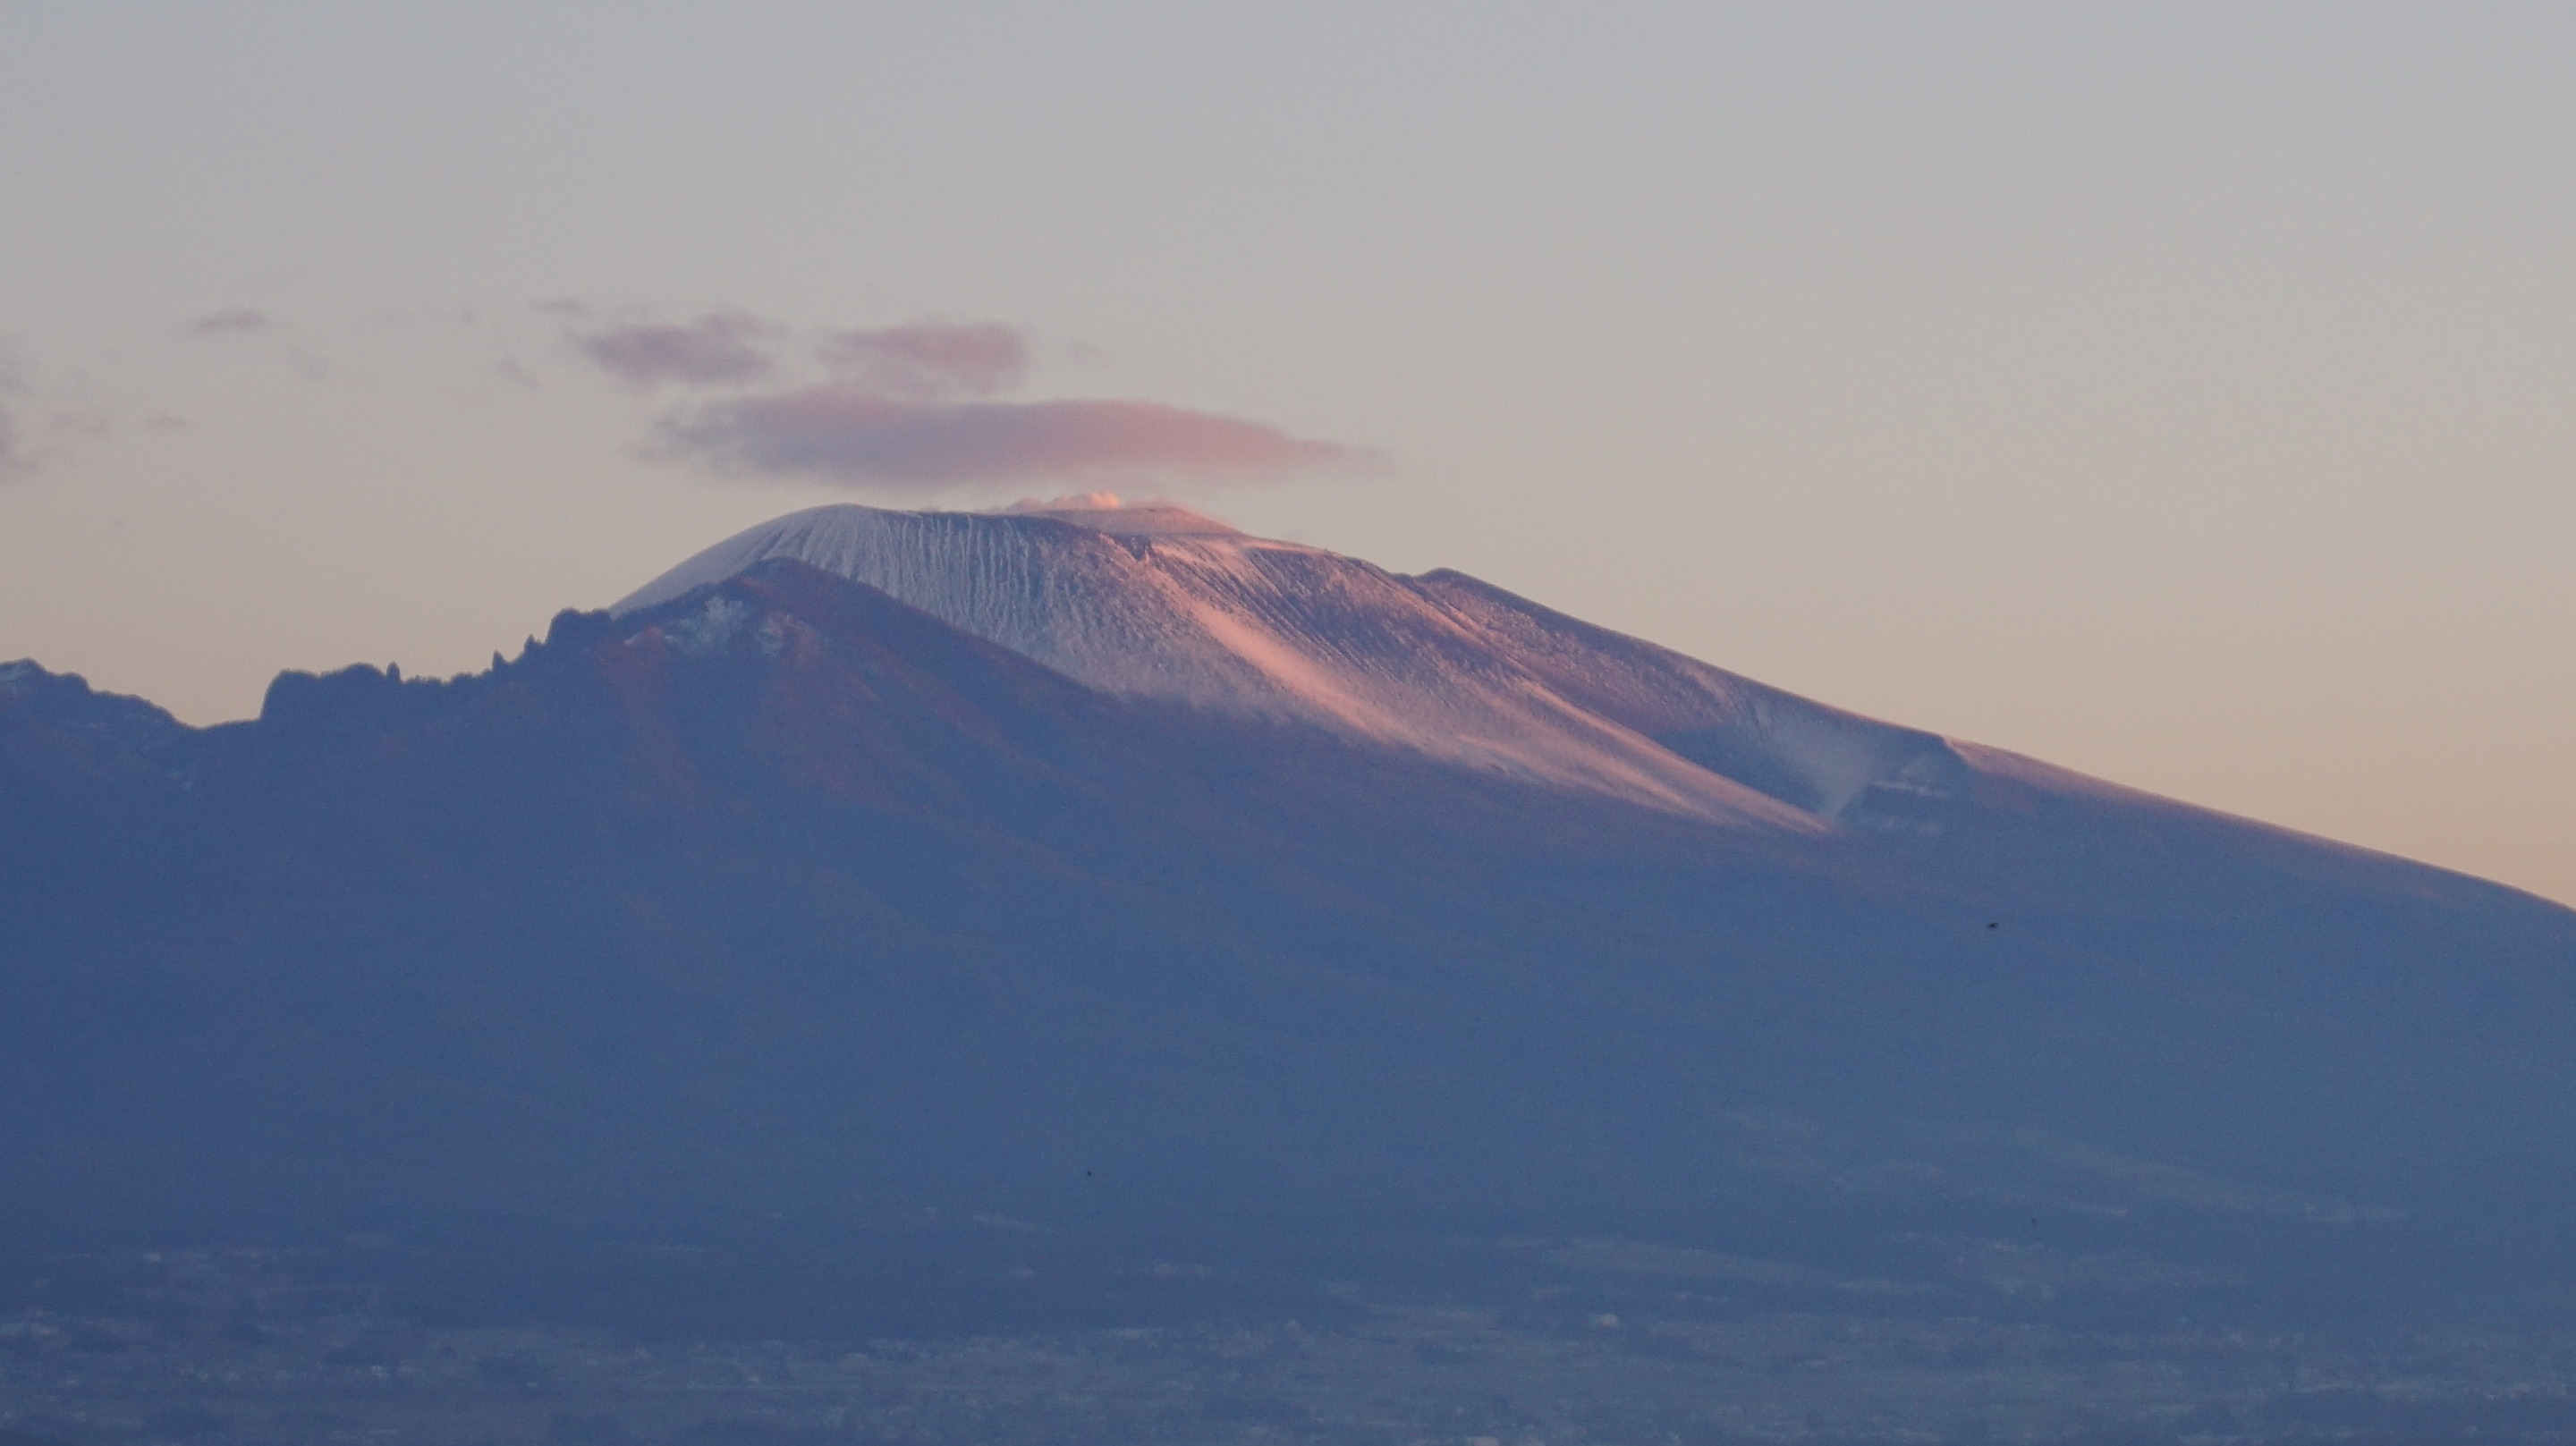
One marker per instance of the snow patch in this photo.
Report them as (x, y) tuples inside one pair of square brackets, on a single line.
[(697, 634)]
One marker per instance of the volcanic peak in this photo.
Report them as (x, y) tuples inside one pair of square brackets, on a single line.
[(1158, 602)]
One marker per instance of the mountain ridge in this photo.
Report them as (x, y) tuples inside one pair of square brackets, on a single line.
[(784, 894), (1202, 614)]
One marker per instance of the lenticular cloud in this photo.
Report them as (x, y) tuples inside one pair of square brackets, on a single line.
[(842, 433), (914, 408)]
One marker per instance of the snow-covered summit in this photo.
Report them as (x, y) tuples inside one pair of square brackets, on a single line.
[(1104, 512), (1158, 602)]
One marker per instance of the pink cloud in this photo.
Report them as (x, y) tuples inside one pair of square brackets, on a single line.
[(857, 434), (911, 407), (930, 359), (714, 350)]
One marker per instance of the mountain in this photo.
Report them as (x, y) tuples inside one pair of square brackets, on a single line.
[(1158, 603), (1110, 871), (1161, 603)]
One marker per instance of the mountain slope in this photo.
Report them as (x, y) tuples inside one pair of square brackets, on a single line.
[(1197, 613), (1821, 759), (783, 894)]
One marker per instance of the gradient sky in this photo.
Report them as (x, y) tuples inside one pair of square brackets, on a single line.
[(2181, 393)]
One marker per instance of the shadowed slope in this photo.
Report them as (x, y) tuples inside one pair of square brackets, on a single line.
[(782, 895)]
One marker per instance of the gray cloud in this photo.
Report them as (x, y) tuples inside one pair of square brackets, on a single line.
[(231, 320), (16, 460), (930, 359), (910, 407), (718, 349), (854, 434)]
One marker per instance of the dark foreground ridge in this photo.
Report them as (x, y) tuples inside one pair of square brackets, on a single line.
[(777, 962)]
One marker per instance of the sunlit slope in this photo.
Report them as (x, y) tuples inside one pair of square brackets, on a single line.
[(1174, 607)]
